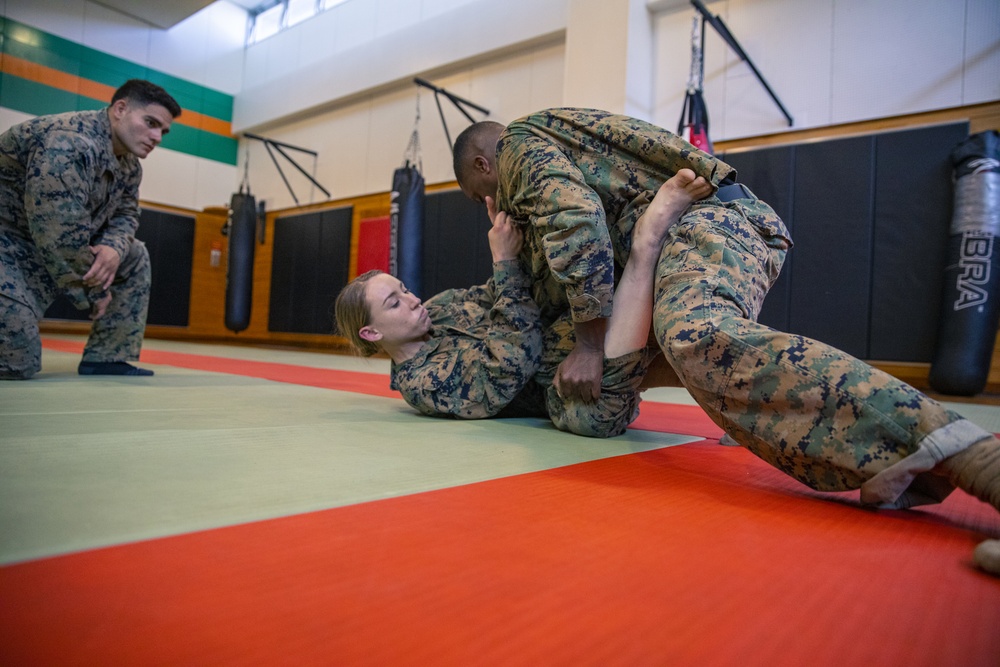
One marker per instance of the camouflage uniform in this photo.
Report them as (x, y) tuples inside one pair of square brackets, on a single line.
[(484, 347), (548, 160), (581, 179), (61, 189), (618, 405)]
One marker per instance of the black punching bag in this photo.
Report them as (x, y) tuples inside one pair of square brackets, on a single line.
[(242, 232), (406, 215), (969, 309)]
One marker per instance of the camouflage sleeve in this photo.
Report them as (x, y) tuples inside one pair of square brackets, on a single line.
[(55, 204), (483, 295), (568, 216), (473, 377), (121, 227)]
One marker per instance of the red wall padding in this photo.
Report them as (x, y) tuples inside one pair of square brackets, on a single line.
[(373, 244)]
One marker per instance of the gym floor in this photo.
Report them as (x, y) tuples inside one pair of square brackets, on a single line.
[(262, 506)]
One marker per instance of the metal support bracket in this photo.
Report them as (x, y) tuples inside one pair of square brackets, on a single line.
[(460, 104), (271, 145), (720, 27)]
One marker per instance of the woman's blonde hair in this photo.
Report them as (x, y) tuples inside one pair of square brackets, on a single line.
[(352, 313)]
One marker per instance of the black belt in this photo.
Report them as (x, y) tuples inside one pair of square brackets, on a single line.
[(729, 191)]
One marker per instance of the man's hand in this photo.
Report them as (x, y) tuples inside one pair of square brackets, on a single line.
[(505, 237), (98, 309), (579, 375), (102, 271)]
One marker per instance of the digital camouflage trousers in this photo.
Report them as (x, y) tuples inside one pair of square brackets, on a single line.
[(116, 336), (814, 412)]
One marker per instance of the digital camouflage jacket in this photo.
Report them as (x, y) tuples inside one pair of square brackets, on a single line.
[(61, 189), (579, 179), (484, 347)]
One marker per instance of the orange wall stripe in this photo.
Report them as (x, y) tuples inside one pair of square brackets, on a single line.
[(53, 78)]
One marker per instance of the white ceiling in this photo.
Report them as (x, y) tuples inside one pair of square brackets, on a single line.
[(167, 13)]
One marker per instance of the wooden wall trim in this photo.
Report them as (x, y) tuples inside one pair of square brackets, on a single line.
[(981, 117)]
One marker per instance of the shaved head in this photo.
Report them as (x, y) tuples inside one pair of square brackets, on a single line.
[(477, 139)]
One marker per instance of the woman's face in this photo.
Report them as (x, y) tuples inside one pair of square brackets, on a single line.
[(397, 316)]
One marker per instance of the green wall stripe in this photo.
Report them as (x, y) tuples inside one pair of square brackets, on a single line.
[(183, 138), (39, 39), (187, 139), (218, 148), (79, 60), (109, 70), (35, 99), (63, 61)]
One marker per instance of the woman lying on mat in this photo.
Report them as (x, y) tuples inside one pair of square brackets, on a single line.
[(482, 352), (466, 352)]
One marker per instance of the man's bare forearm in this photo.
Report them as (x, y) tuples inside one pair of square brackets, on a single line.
[(590, 335)]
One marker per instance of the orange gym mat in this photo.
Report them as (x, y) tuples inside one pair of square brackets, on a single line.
[(690, 555)]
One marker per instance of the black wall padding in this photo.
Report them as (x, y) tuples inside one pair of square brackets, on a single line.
[(242, 233), (913, 195), (456, 251), (831, 262), (406, 217), (969, 311), (169, 238), (310, 265), (869, 216), (63, 309), (772, 171)]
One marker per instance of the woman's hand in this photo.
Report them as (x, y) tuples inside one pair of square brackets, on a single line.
[(506, 238)]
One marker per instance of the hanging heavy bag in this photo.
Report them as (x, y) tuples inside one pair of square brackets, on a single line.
[(406, 216), (969, 311), (693, 125), (242, 232)]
